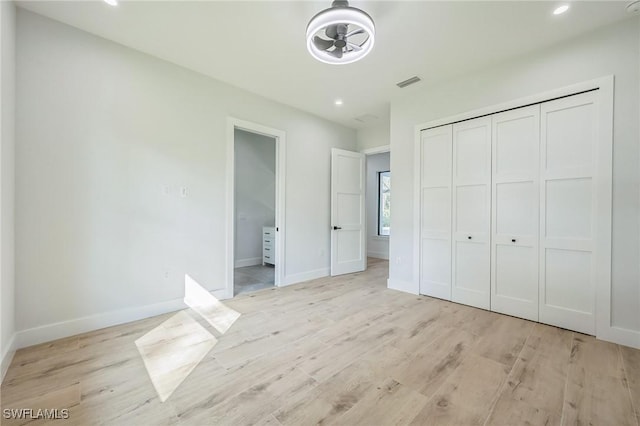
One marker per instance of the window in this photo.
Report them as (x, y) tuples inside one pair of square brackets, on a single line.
[(384, 203)]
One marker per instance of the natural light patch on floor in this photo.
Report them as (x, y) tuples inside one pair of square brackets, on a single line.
[(211, 309), (172, 350)]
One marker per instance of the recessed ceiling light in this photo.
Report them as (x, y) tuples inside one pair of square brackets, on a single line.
[(338, 102), (561, 9), (111, 2)]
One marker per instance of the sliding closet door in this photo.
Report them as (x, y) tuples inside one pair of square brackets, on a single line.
[(515, 196), (471, 212), (435, 207), (568, 203)]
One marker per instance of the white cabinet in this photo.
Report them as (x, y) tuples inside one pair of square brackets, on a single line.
[(269, 245), (515, 194), (471, 212), (514, 211)]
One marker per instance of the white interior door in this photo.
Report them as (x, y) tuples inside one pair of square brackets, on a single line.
[(347, 212), (515, 207), (569, 129), (471, 221), (435, 208)]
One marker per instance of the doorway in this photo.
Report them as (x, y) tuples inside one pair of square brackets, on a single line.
[(378, 206), (255, 215)]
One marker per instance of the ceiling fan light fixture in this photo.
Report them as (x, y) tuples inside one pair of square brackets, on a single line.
[(341, 14)]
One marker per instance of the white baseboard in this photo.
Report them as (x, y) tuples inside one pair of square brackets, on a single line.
[(378, 254), (7, 356), (306, 276), (621, 336), (252, 261), (405, 286), (59, 330), (62, 329)]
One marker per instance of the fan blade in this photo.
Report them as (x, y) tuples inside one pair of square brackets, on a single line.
[(321, 43), (354, 46), (332, 31), (354, 32), (337, 52)]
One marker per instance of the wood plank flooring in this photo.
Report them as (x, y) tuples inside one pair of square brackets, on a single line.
[(342, 350)]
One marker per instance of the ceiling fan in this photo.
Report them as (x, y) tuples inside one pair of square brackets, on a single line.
[(341, 34)]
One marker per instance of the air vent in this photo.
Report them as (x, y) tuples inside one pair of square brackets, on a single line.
[(366, 118), (408, 82)]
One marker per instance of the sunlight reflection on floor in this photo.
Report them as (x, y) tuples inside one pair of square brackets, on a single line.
[(172, 350), (211, 309)]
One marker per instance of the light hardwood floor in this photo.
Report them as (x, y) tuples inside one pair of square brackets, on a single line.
[(342, 350)]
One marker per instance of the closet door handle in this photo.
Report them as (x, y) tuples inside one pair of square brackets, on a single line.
[(513, 240), (335, 228), (469, 237)]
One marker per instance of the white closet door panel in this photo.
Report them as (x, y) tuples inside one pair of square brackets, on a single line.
[(471, 212), (471, 273), (516, 147), (436, 212), (569, 213), (435, 204), (471, 144), (567, 276), (516, 208), (568, 207), (435, 278), (569, 139), (471, 208), (515, 212), (436, 157), (515, 280)]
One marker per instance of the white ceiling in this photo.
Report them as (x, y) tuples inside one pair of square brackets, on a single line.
[(260, 45)]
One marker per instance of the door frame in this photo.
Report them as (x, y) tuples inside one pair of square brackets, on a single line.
[(605, 329), (281, 144)]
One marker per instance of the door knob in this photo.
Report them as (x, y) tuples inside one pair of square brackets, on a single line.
[(469, 237), (335, 228), (513, 240)]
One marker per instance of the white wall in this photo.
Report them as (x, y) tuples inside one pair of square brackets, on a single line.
[(374, 136), (106, 136), (7, 124), (611, 50), (255, 194), (377, 246)]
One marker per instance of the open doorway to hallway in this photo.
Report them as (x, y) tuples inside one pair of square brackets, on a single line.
[(378, 208), (255, 211)]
